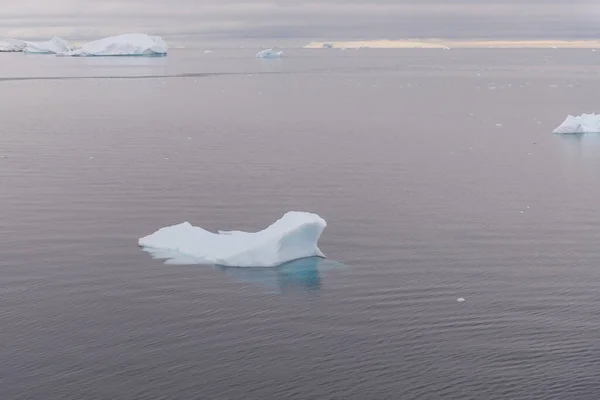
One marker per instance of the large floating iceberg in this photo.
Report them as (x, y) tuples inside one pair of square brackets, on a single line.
[(294, 236), (585, 123), (11, 45), (52, 46), (130, 44), (269, 53)]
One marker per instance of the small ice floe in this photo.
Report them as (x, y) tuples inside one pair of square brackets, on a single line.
[(499, 125), (269, 53), (584, 123), (461, 300)]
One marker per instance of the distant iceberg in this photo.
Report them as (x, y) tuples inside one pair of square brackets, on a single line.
[(130, 44), (11, 45), (269, 53), (294, 236), (52, 46), (585, 123)]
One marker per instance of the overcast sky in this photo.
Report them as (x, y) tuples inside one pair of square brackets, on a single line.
[(302, 19)]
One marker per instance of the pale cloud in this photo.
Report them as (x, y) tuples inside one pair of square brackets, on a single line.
[(335, 19)]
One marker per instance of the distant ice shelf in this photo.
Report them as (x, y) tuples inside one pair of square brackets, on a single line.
[(294, 236), (584, 123), (53, 46), (130, 44), (269, 53)]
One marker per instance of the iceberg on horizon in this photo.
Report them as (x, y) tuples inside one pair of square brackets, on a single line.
[(584, 123), (52, 46), (129, 44), (294, 236), (269, 53), (11, 45)]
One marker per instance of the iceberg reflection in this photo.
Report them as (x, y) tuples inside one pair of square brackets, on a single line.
[(302, 274), (582, 146)]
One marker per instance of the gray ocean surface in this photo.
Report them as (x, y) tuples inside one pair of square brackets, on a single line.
[(436, 171)]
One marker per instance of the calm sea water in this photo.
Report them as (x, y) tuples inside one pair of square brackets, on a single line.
[(436, 171)]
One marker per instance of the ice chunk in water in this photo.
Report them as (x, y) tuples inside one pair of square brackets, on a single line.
[(269, 53), (52, 46), (584, 123), (130, 44), (11, 45), (292, 237)]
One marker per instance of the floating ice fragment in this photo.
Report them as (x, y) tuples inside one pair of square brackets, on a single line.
[(269, 53), (52, 46), (129, 44), (461, 299), (584, 123), (293, 236), (11, 45)]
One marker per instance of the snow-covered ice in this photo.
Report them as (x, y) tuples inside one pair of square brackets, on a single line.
[(129, 44), (52, 46), (269, 53), (584, 123), (292, 237), (11, 45)]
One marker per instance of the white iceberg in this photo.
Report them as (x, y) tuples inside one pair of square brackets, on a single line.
[(294, 236), (11, 45), (269, 53), (584, 123), (52, 46), (130, 44)]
